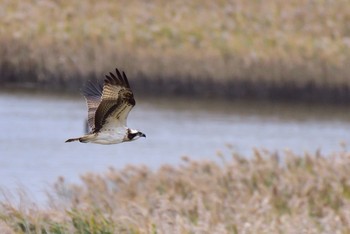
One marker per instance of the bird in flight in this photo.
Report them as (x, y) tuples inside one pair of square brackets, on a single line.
[(108, 110)]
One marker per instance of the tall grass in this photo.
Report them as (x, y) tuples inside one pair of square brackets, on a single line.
[(267, 193), (243, 47)]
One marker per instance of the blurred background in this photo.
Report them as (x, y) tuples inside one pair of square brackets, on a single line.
[(208, 76)]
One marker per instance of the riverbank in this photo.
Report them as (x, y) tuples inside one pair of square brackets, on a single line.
[(268, 193), (292, 50)]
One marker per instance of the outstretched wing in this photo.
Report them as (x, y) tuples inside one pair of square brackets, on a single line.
[(92, 92), (117, 101)]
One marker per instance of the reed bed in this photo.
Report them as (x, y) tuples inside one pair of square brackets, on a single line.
[(265, 192), (223, 48)]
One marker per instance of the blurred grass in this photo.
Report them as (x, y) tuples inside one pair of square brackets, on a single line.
[(245, 48), (268, 193)]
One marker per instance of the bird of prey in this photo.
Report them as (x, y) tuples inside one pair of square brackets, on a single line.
[(108, 109)]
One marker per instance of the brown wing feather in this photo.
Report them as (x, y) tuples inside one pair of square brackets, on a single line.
[(92, 92), (117, 101)]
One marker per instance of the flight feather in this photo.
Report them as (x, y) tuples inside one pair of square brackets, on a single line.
[(116, 102)]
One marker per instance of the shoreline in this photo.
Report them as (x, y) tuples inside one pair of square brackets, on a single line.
[(208, 89), (242, 50)]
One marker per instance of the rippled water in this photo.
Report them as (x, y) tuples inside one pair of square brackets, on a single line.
[(34, 127)]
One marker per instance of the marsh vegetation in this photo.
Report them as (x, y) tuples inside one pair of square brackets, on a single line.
[(289, 50), (268, 193)]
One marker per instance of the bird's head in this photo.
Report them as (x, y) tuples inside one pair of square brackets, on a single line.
[(133, 134)]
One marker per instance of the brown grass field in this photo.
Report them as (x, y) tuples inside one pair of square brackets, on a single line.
[(286, 49), (267, 193)]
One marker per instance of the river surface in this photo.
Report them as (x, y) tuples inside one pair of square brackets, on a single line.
[(34, 127)]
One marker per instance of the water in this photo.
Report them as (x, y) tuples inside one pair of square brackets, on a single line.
[(34, 127)]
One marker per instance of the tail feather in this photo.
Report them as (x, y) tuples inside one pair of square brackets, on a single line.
[(83, 139), (73, 139)]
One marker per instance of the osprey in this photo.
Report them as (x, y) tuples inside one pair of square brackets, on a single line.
[(108, 109)]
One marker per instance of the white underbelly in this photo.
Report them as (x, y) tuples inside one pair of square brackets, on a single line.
[(107, 136)]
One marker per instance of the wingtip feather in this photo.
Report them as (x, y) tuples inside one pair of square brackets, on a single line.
[(126, 80), (119, 78), (118, 73)]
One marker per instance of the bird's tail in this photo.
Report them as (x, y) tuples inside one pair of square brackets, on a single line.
[(73, 139), (83, 139)]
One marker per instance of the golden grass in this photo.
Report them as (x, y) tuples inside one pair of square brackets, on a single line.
[(282, 43), (268, 193)]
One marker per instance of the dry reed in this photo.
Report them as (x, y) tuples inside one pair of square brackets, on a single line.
[(246, 48), (268, 193)]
